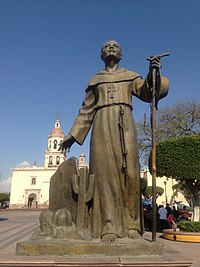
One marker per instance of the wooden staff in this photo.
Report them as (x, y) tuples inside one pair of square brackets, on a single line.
[(155, 96)]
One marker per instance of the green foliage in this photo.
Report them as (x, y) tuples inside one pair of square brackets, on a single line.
[(4, 197), (178, 148), (148, 192), (178, 120), (189, 226), (143, 184), (178, 158)]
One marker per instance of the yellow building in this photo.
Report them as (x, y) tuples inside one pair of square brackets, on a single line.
[(170, 195)]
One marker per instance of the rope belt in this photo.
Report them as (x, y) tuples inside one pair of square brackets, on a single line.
[(114, 104)]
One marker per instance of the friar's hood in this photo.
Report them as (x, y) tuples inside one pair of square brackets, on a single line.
[(108, 77)]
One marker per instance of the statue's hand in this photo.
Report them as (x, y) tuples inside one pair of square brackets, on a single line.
[(66, 144), (154, 63)]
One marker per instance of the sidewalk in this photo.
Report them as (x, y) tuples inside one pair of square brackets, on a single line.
[(190, 250), (18, 225)]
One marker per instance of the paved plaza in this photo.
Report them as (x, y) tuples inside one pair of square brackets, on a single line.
[(18, 225)]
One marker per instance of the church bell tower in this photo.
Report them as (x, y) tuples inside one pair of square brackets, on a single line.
[(53, 157)]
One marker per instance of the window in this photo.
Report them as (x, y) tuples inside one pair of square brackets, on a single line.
[(50, 160), (57, 160), (33, 180), (55, 144)]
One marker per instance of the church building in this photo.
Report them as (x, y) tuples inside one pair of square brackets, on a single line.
[(30, 185)]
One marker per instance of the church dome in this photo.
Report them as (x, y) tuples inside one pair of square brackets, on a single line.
[(57, 131)]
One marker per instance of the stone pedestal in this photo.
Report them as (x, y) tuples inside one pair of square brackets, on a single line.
[(167, 260), (121, 247), (125, 252)]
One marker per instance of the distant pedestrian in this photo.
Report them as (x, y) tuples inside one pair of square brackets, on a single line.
[(149, 217), (168, 208), (162, 213), (172, 220), (184, 216), (176, 213), (145, 217)]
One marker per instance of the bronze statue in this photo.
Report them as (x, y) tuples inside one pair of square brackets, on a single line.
[(107, 107)]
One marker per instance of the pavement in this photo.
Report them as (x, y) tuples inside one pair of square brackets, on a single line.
[(18, 225)]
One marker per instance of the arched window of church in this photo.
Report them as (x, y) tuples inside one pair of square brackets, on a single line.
[(55, 144), (57, 160), (50, 144), (33, 180), (50, 160)]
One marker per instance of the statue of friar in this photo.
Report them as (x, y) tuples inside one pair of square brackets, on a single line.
[(107, 108)]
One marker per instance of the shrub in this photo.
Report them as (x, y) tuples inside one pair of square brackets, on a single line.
[(189, 226), (4, 197)]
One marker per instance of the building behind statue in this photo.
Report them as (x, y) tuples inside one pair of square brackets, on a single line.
[(30, 185), (170, 194)]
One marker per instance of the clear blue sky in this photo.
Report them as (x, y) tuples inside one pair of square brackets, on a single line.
[(49, 49)]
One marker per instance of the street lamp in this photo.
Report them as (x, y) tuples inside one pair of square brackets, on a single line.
[(165, 183)]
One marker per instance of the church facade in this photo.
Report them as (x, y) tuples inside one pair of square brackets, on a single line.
[(30, 185)]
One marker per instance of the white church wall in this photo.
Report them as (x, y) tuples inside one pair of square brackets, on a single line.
[(32, 183), (22, 186)]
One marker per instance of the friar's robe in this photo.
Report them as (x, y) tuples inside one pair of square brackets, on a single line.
[(114, 148)]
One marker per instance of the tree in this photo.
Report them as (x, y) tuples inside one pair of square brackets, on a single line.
[(179, 158), (180, 119), (148, 192), (3, 198)]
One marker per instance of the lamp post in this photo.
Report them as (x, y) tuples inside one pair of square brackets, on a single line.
[(165, 184)]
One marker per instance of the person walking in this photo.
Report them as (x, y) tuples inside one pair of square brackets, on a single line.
[(162, 213)]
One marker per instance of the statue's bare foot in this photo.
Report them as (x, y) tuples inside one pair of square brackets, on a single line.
[(109, 238), (134, 234)]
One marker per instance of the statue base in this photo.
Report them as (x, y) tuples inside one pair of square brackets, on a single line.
[(65, 253), (121, 247), (74, 253)]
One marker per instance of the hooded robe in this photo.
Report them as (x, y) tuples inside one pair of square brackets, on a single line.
[(114, 148)]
